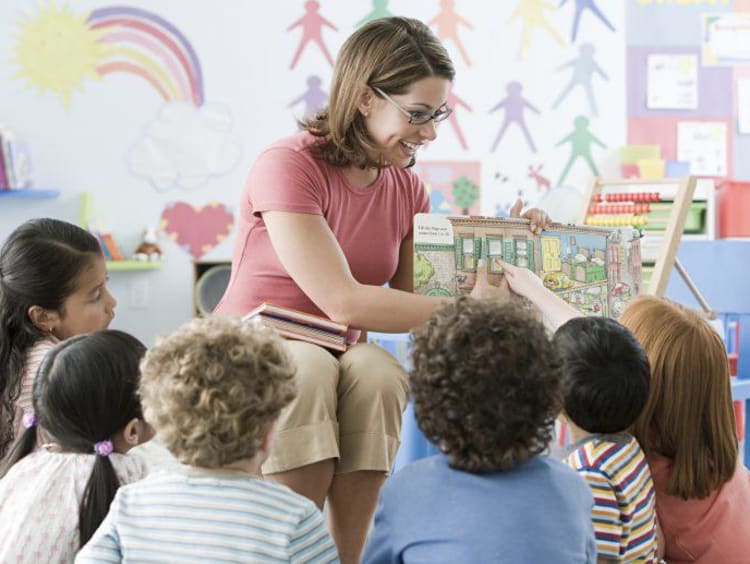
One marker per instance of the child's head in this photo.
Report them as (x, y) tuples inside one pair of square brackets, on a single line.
[(486, 384), (213, 388), (605, 374), (688, 416), (52, 282), (85, 398)]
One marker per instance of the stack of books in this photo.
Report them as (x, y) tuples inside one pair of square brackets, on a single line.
[(15, 165), (300, 326)]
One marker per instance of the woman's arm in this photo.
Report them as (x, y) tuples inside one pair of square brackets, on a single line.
[(308, 250)]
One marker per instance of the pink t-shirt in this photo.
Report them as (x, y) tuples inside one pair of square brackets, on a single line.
[(34, 358), (369, 223), (709, 531)]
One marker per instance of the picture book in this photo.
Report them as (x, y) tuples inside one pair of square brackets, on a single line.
[(597, 270), (300, 326)]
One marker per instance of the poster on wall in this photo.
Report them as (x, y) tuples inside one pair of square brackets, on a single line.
[(704, 145), (453, 186), (672, 82), (726, 38)]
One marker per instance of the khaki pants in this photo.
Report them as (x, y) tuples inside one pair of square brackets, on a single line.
[(348, 408)]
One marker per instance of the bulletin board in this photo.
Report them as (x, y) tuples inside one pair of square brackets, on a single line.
[(688, 83)]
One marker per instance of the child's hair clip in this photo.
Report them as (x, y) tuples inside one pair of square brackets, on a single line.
[(29, 419), (104, 448)]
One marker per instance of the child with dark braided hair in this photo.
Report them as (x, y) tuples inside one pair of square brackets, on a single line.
[(53, 498)]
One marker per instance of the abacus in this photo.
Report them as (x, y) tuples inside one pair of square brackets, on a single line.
[(659, 209)]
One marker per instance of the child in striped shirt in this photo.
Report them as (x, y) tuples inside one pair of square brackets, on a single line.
[(605, 387), (213, 390)]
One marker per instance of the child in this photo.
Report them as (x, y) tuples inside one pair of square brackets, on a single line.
[(687, 430), (486, 388), (52, 286), (54, 498), (213, 390), (605, 386)]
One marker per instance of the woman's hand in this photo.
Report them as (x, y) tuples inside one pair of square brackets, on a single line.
[(483, 290), (539, 218)]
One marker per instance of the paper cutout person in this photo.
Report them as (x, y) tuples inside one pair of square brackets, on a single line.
[(514, 105), (580, 146), (582, 5), (531, 13), (314, 97), (379, 10), (584, 67), (447, 22), (454, 101), (312, 30)]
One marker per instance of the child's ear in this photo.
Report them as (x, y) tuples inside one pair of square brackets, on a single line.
[(134, 433), (43, 319)]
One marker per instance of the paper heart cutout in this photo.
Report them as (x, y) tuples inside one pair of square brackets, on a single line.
[(197, 229)]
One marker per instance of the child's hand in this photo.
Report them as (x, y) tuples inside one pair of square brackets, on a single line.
[(484, 290), (538, 217), (522, 281)]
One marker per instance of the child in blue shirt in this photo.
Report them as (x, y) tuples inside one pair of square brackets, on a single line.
[(486, 388)]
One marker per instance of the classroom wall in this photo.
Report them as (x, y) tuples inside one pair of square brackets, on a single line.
[(108, 110)]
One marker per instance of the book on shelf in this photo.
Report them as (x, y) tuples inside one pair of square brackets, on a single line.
[(301, 326)]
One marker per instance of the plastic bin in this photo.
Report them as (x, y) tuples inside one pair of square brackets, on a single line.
[(733, 201)]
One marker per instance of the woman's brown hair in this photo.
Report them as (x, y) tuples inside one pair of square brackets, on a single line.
[(390, 54), (688, 416)]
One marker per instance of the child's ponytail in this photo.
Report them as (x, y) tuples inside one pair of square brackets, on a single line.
[(99, 492), (24, 445), (85, 393)]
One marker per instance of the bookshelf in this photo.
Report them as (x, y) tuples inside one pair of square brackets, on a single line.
[(30, 194), (123, 265)]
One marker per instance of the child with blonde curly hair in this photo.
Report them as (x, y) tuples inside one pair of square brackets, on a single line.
[(213, 390)]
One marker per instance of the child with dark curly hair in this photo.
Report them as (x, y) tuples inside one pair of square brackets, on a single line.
[(486, 387), (213, 390)]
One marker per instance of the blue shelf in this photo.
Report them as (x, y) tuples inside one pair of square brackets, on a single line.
[(30, 193)]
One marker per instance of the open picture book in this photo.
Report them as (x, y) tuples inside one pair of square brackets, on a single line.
[(597, 270)]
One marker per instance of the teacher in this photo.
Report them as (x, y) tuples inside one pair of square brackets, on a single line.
[(325, 222)]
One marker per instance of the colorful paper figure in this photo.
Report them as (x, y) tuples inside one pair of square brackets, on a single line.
[(531, 13), (584, 67), (514, 104), (314, 97), (541, 181), (379, 10), (454, 101), (582, 5), (312, 30), (447, 22), (580, 146)]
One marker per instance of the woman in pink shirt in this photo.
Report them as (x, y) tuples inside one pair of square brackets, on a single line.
[(325, 222), (687, 430)]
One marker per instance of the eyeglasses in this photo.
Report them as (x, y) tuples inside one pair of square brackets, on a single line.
[(417, 118)]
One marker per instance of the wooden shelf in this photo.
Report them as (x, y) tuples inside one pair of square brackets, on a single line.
[(30, 193), (125, 265)]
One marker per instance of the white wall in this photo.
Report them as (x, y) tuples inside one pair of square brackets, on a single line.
[(245, 53)]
